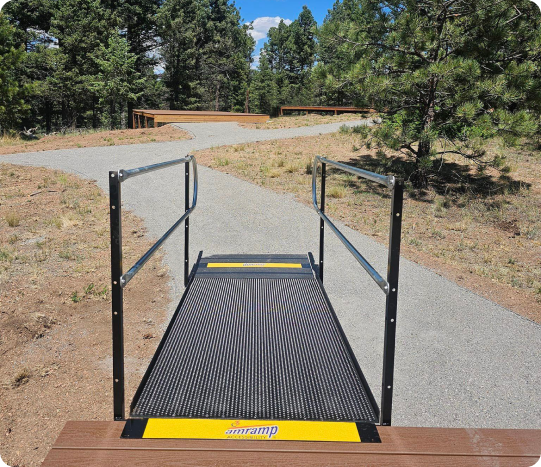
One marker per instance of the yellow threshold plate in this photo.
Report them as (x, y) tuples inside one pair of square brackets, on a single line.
[(261, 430), (255, 265)]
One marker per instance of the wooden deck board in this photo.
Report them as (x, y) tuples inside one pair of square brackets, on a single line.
[(99, 444), (321, 108), (142, 116)]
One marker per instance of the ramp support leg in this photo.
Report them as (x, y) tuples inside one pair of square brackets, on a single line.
[(391, 305), (117, 295), (321, 221), (186, 223)]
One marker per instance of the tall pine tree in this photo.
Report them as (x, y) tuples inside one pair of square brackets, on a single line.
[(450, 71), (12, 105), (226, 57), (117, 82), (137, 20), (181, 30), (81, 27), (290, 53)]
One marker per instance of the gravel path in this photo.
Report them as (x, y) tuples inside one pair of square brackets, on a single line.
[(462, 361)]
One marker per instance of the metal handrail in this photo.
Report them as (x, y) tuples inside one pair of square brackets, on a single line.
[(388, 181), (389, 286), (126, 174), (119, 281)]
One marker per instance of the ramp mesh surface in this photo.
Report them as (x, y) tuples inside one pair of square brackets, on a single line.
[(254, 348)]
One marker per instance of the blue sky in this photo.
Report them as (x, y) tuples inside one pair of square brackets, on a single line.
[(267, 13)]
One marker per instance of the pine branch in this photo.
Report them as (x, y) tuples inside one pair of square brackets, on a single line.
[(384, 46)]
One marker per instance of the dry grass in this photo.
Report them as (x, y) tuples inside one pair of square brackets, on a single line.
[(22, 377), (91, 138), (55, 339), (481, 231), (12, 219), (297, 121), (7, 139)]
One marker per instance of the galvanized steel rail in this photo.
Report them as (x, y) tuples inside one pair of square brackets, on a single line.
[(120, 280), (126, 174), (388, 181), (389, 286)]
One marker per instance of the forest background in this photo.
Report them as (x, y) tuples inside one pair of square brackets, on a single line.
[(446, 75)]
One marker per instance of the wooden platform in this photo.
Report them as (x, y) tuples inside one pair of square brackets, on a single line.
[(311, 108), (99, 444), (142, 118)]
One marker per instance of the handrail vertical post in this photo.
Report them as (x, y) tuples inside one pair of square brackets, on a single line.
[(117, 295), (187, 221), (391, 305), (321, 221)]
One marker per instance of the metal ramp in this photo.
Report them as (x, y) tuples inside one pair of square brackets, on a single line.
[(255, 338)]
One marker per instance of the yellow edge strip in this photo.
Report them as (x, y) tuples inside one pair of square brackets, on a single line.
[(264, 430), (255, 265)]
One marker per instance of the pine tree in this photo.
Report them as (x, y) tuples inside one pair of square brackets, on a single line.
[(336, 56), (206, 51), (137, 20), (290, 53), (81, 27), (118, 81), (38, 71), (302, 43), (263, 89), (32, 19), (226, 57), (12, 105), (447, 70), (180, 26)]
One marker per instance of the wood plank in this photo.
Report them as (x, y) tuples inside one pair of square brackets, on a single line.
[(334, 109), (185, 116), (191, 112), (99, 443), (96, 458), (209, 118)]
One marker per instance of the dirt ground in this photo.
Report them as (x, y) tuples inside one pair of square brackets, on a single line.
[(297, 121), (484, 234), (55, 317), (91, 139)]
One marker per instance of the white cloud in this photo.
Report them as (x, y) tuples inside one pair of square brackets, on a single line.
[(263, 24)]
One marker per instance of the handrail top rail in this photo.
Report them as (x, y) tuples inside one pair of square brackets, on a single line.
[(128, 276), (375, 275), (387, 180), (124, 175)]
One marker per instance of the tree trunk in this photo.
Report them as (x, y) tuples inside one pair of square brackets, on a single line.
[(48, 125), (64, 113), (94, 114), (420, 177), (130, 115), (112, 115), (247, 103), (217, 105), (175, 97)]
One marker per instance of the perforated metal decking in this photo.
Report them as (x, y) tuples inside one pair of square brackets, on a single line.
[(255, 338)]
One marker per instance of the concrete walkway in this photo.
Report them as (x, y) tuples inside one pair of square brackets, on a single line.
[(462, 361)]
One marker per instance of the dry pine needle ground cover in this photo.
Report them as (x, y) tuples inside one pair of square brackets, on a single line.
[(484, 235), (55, 317), (297, 121), (91, 139)]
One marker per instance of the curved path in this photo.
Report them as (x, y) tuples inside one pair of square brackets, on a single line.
[(462, 361)]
